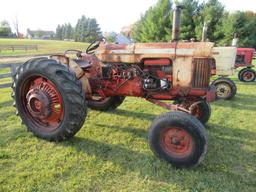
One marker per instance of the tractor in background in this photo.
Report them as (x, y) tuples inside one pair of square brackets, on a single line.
[(244, 59), (223, 67)]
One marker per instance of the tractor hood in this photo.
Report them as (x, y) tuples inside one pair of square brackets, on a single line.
[(135, 53)]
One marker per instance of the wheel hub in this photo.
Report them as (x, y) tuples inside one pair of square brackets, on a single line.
[(248, 76), (223, 90), (43, 103), (177, 142), (38, 103)]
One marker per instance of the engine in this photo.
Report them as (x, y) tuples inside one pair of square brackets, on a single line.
[(158, 74), (147, 77)]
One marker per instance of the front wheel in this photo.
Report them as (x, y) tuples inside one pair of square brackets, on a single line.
[(226, 88), (179, 139), (199, 108), (247, 75), (49, 99)]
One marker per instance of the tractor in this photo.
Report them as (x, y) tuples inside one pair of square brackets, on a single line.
[(52, 94), (223, 66), (244, 58)]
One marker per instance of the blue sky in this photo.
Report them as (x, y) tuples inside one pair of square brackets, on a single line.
[(112, 15)]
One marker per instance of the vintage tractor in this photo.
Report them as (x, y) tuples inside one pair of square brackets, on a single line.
[(52, 94), (223, 67), (244, 59)]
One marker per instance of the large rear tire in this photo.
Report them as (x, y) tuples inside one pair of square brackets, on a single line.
[(179, 139), (226, 88), (49, 99), (107, 104)]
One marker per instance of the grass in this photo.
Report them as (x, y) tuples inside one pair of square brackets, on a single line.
[(44, 46), (111, 153)]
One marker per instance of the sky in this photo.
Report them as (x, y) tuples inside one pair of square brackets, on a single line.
[(112, 15)]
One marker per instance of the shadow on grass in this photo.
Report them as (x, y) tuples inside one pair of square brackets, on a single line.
[(6, 103), (146, 116), (4, 114), (134, 131), (147, 165), (241, 101)]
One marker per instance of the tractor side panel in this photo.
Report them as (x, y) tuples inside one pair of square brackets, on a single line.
[(182, 72), (225, 60)]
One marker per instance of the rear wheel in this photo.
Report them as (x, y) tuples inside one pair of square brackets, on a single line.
[(179, 139), (49, 99), (109, 103), (226, 88), (247, 75)]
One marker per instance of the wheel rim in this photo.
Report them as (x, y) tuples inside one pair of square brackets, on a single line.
[(176, 142), (42, 103), (248, 76), (197, 111), (223, 90)]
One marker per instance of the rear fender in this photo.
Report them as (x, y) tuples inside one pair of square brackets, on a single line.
[(80, 74)]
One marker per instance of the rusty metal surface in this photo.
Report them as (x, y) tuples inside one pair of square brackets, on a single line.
[(80, 74), (176, 23), (135, 53)]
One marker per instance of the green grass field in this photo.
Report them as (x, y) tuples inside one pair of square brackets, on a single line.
[(111, 152), (44, 46)]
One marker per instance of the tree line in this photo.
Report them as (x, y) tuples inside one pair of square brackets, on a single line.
[(5, 29), (86, 30), (156, 24)]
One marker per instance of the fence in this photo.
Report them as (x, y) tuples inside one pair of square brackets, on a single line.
[(12, 68), (18, 47)]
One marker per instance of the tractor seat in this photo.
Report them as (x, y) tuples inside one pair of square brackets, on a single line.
[(83, 64)]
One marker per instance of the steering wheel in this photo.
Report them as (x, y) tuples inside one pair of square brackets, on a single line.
[(94, 45)]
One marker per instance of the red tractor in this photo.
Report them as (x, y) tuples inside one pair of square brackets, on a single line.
[(244, 59), (52, 94)]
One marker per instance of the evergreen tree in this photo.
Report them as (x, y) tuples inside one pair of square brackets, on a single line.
[(211, 12), (58, 32), (87, 30), (5, 29), (156, 24), (188, 16)]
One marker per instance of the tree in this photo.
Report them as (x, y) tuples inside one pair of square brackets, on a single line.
[(68, 31), (156, 24), (211, 12), (188, 16), (5, 29), (59, 32), (243, 24), (87, 30)]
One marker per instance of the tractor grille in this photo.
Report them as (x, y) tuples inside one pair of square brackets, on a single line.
[(202, 72)]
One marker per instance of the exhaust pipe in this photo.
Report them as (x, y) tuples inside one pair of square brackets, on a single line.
[(176, 23), (205, 31)]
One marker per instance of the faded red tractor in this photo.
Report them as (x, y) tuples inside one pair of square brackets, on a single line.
[(52, 94), (244, 59)]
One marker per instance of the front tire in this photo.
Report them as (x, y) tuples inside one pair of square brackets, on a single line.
[(226, 88), (49, 99), (179, 139)]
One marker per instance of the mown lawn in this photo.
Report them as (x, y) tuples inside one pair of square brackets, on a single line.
[(111, 153), (44, 46)]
